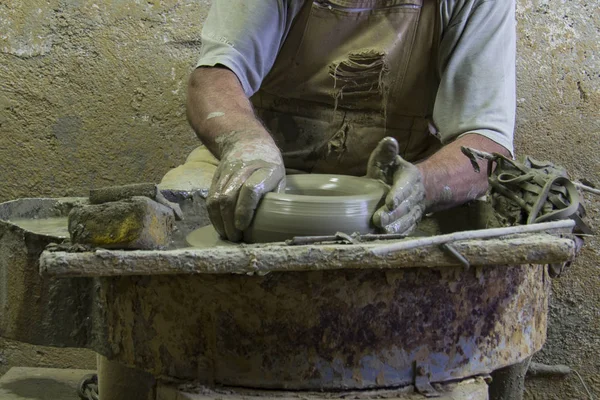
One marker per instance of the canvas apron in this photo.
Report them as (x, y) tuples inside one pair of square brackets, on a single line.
[(349, 73)]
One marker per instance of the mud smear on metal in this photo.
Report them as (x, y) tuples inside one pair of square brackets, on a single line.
[(329, 329), (38, 310)]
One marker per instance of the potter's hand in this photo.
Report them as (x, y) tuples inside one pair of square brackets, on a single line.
[(251, 166), (405, 202)]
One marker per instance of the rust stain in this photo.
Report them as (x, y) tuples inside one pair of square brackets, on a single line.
[(332, 329)]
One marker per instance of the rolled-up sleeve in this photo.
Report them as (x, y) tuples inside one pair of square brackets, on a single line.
[(245, 36), (477, 92)]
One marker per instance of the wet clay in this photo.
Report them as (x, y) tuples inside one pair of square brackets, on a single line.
[(56, 226), (317, 204), (310, 205), (206, 237)]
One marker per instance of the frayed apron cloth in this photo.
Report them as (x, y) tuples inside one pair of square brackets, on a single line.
[(350, 73)]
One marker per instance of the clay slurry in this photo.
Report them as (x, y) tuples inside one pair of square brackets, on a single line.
[(54, 226)]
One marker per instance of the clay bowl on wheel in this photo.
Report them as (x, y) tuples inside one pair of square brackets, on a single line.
[(317, 205)]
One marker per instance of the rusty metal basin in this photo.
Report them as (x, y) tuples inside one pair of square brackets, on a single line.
[(267, 316), (330, 330), (35, 309), (320, 317)]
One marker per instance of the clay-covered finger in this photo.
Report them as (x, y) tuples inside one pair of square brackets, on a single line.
[(385, 216), (261, 182), (382, 158), (414, 195), (406, 180), (216, 197), (212, 204), (229, 199), (407, 223), (281, 185)]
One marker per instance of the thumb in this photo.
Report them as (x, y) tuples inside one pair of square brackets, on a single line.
[(382, 158)]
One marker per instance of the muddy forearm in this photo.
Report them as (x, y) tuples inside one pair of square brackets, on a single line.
[(218, 106), (449, 177)]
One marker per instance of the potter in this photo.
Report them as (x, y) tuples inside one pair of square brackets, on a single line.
[(386, 89)]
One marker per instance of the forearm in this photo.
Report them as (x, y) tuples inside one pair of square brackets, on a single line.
[(217, 107), (449, 177)]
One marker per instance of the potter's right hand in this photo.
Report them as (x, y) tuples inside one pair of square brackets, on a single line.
[(251, 166)]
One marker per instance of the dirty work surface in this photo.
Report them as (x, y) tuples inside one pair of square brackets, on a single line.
[(41, 383), (520, 249)]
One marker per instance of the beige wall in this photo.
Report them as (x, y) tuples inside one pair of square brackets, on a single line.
[(559, 120), (92, 93)]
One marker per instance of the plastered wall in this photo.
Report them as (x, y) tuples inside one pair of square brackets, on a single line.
[(559, 120), (92, 94)]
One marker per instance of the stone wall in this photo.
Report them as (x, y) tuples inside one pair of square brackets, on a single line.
[(559, 120), (92, 94)]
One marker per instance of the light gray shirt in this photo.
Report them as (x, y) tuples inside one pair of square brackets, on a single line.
[(477, 48)]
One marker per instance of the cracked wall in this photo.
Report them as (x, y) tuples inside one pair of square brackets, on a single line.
[(92, 94)]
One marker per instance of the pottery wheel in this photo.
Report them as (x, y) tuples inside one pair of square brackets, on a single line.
[(310, 205)]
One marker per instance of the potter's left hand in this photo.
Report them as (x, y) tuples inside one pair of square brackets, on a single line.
[(405, 203)]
